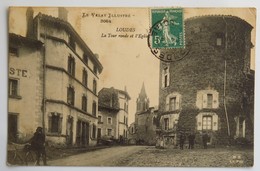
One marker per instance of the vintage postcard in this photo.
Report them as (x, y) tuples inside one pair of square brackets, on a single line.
[(155, 86)]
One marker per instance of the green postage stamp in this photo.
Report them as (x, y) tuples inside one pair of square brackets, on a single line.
[(167, 28)]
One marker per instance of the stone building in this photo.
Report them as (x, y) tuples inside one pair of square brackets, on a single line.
[(25, 87), (211, 88), (113, 113), (143, 130), (62, 78)]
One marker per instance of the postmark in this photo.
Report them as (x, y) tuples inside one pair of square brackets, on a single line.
[(168, 28), (176, 49)]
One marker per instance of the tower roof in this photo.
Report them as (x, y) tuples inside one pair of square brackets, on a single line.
[(142, 94)]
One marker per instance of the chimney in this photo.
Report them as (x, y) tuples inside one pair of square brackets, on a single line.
[(97, 56), (29, 20), (63, 13)]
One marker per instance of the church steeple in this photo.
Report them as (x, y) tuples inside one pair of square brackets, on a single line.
[(142, 101)]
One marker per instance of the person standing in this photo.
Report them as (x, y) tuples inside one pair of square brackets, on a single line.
[(205, 138), (191, 138), (38, 145), (182, 140)]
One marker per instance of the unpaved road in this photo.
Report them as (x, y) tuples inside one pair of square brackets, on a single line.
[(104, 157)]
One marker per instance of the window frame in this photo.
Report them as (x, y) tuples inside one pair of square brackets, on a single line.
[(207, 126), (94, 108), (84, 103), (11, 87), (85, 77), (109, 118), (58, 123), (166, 124), (71, 65), (71, 95), (109, 130)]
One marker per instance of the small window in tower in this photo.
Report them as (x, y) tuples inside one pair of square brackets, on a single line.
[(209, 100), (165, 77), (220, 39), (173, 103)]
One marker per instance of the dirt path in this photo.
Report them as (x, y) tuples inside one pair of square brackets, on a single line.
[(104, 157)]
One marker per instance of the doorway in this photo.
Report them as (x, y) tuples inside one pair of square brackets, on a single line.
[(12, 127)]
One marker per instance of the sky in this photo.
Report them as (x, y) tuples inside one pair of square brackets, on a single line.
[(127, 62)]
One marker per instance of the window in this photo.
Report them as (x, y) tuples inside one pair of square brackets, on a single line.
[(84, 103), (72, 43), (220, 39), (94, 131), (71, 65), (85, 58), (99, 133), (166, 123), (209, 100), (207, 123), (95, 86), (55, 123), (173, 103), (99, 119), (13, 51), (132, 130), (85, 77), (126, 120), (165, 77), (109, 120), (109, 132), (13, 87), (70, 95), (94, 108)]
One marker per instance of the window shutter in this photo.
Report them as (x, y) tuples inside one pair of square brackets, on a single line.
[(215, 100), (60, 125), (215, 122), (178, 100), (163, 79), (168, 78), (49, 123), (204, 100), (167, 106), (199, 122)]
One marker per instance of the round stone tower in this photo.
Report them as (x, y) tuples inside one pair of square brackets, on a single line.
[(211, 88)]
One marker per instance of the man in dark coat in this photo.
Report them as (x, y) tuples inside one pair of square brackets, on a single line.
[(205, 138), (38, 145), (182, 140), (191, 138)]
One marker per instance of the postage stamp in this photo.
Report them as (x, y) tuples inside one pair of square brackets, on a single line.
[(168, 28)]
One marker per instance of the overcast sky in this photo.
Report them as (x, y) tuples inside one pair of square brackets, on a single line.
[(126, 61)]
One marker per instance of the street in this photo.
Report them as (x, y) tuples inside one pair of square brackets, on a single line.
[(147, 156), (104, 157)]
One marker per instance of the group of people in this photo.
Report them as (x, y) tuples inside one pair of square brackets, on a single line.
[(191, 139)]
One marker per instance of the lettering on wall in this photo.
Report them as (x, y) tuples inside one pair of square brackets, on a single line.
[(18, 72)]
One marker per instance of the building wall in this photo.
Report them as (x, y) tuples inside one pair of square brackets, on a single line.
[(27, 107), (202, 69), (123, 116), (58, 79), (104, 125), (145, 128)]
